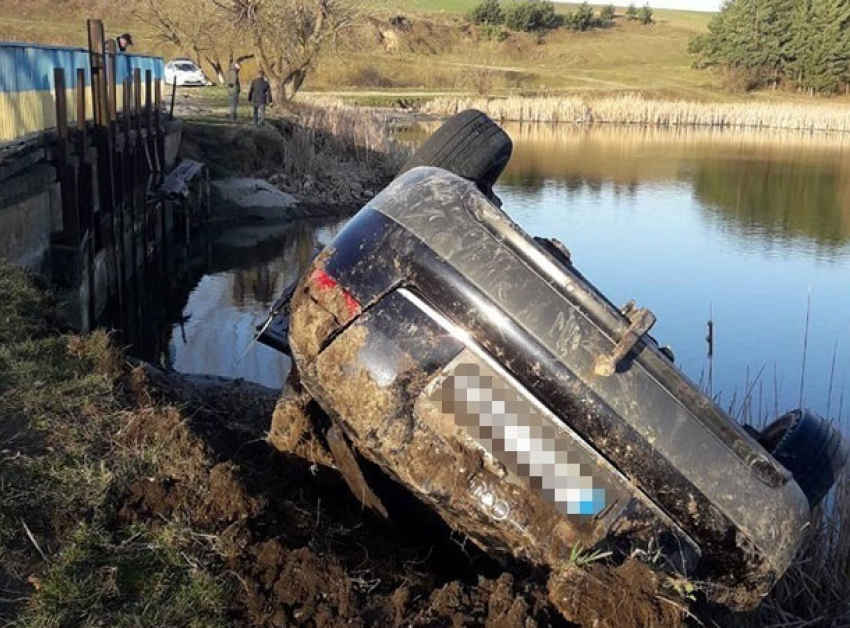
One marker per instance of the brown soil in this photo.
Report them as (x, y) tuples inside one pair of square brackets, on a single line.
[(300, 550)]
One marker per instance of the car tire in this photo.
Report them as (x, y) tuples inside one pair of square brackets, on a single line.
[(470, 145), (810, 447)]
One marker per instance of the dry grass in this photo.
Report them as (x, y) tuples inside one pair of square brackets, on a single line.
[(630, 109), (816, 589), (363, 135)]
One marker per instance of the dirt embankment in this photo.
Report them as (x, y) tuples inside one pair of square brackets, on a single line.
[(331, 159), (132, 497), (298, 549)]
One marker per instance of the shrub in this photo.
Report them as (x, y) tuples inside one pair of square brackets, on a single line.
[(488, 12), (607, 15), (531, 16), (492, 32), (582, 18), (631, 13), (644, 15)]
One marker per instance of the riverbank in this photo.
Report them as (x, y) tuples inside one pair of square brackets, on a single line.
[(137, 497), (142, 497), (331, 159), (133, 496)]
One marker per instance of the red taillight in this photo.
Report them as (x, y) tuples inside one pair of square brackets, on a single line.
[(328, 291)]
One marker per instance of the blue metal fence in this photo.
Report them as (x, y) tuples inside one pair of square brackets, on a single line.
[(27, 97)]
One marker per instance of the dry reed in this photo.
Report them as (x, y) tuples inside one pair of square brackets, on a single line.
[(816, 589), (362, 133), (631, 109)]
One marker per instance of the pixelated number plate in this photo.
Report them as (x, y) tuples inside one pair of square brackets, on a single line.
[(532, 445)]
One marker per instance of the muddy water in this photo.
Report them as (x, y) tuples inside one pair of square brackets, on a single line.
[(750, 231)]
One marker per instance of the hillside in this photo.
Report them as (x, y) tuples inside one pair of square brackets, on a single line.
[(419, 46)]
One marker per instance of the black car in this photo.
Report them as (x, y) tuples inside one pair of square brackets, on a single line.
[(479, 369)]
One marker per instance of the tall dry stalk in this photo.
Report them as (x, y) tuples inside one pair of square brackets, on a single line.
[(360, 133), (816, 589), (631, 109)]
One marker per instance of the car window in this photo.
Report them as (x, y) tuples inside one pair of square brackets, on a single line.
[(187, 67)]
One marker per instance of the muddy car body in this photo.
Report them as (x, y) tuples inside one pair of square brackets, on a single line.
[(480, 370)]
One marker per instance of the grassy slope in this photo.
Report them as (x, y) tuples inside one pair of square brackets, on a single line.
[(625, 57)]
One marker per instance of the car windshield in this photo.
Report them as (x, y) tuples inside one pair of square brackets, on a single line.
[(186, 67)]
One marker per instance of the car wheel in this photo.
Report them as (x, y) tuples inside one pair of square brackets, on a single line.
[(808, 446), (470, 145)]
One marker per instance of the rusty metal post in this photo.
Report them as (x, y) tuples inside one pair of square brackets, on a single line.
[(66, 172), (137, 110), (81, 114), (85, 198), (150, 138), (160, 131), (85, 178), (112, 78), (98, 69)]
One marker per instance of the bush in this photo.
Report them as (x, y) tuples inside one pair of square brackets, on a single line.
[(582, 19), (607, 15), (644, 16), (531, 16), (488, 12), (631, 13), (492, 32)]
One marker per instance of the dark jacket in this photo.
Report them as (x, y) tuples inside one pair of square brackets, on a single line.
[(232, 81), (260, 92)]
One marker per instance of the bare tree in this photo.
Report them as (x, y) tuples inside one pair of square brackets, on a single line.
[(201, 29), (287, 36)]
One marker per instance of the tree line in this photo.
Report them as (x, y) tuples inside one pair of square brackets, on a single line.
[(795, 44), (538, 16)]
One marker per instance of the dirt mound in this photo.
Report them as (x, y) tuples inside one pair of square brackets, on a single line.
[(298, 547)]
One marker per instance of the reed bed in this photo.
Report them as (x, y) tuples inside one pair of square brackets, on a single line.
[(363, 134), (677, 137), (631, 109)]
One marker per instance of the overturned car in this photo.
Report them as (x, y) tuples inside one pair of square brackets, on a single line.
[(480, 370)]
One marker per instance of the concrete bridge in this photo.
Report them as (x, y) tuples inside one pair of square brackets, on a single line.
[(85, 146)]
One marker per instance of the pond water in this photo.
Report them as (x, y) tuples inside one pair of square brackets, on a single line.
[(748, 230)]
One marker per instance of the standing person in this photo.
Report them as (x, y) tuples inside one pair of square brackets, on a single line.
[(233, 88), (260, 95), (124, 41)]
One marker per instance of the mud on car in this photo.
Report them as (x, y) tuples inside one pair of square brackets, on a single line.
[(477, 368)]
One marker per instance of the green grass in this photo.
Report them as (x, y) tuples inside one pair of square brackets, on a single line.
[(63, 562)]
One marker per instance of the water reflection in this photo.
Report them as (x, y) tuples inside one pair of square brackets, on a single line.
[(240, 273), (745, 228), (778, 200), (763, 185), (751, 230)]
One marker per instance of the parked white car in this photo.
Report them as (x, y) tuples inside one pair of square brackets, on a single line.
[(184, 72)]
